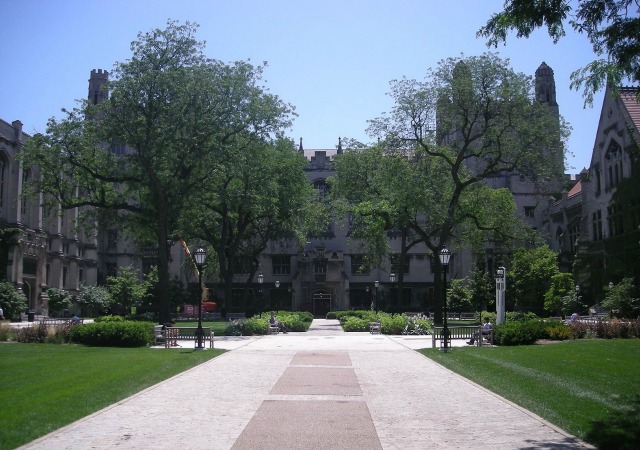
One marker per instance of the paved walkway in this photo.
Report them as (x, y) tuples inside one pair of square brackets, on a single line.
[(324, 389)]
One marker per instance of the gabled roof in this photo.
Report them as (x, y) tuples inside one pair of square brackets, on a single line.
[(629, 98), (576, 189)]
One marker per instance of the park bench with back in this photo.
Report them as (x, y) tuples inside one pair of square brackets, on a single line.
[(463, 332), (171, 335)]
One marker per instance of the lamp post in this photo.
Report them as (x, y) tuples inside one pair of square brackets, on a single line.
[(392, 280), (260, 300), (277, 284), (445, 256), (501, 286), (200, 256), (376, 284)]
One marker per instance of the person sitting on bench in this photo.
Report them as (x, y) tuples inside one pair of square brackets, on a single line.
[(486, 331), (274, 321)]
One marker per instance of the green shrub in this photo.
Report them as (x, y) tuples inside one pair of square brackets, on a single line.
[(522, 332), (352, 323), (247, 327), (559, 332), (393, 324), (109, 319), (12, 302), (113, 334)]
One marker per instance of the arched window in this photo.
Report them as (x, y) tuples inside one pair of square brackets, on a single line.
[(613, 161)]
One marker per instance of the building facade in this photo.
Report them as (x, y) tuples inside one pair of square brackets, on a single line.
[(44, 247)]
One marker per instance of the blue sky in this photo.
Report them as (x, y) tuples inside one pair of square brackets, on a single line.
[(332, 60)]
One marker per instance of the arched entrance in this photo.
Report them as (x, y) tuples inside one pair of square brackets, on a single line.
[(321, 303)]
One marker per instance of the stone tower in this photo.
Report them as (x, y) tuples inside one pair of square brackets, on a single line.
[(546, 87), (97, 91)]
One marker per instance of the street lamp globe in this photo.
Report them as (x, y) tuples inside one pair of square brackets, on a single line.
[(277, 283), (445, 256), (392, 277), (200, 256), (260, 278)]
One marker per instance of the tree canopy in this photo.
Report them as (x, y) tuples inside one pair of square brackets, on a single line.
[(612, 27), (144, 150), (473, 119)]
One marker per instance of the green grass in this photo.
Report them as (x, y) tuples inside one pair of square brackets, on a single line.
[(217, 326), (44, 386), (570, 384)]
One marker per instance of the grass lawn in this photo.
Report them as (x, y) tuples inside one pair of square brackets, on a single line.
[(46, 386), (570, 383), (217, 326)]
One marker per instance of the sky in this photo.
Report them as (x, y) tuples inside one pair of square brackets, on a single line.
[(332, 60)]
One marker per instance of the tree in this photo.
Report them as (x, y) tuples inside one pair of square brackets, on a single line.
[(433, 179), (126, 290), (483, 291), (94, 299), (459, 296), (531, 274), (622, 299), (59, 300), (264, 196), (562, 298), (612, 27), (13, 302), (169, 107)]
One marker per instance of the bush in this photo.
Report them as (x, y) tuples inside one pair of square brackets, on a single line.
[(13, 303), (559, 332), (393, 324), (247, 327), (520, 332), (6, 332), (353, 323), (109, 319), (113, 334)]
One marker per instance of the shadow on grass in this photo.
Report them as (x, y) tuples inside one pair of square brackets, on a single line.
[(620, 430)]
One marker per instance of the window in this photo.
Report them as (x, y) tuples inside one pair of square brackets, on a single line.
[(320, 266), (574, 233), (395, 263), (111, 269), (613, 159), (596, 224), (3, 169), (281, 264), (529, 211), (65, 271), (357, 265), (112, 239)]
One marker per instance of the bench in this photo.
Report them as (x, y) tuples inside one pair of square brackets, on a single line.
[(375, 327), (468, 316), (236, 316), (173, 334), (272, 328), (466, 333)]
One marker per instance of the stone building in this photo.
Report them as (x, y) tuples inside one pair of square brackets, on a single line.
[(596, 225), (46, 250)]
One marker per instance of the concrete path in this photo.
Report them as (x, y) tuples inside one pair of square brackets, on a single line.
[(324, 389)]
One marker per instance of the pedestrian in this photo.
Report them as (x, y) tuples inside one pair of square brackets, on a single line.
[(274, 321), (486, 330), (1, 313)]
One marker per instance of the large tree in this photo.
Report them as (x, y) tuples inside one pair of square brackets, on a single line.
[(169, 107), (489, 123), (262, 196), (612, 27)]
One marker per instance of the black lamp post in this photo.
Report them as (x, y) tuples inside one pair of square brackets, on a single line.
[(200, 256), (277, 284), (376, 284), (445, 255), (392, 280), (260, 281)]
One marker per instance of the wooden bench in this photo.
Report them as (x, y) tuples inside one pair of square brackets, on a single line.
[(466, 333), (173, 334), (468, 316), (375, 327), (236, 316)]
